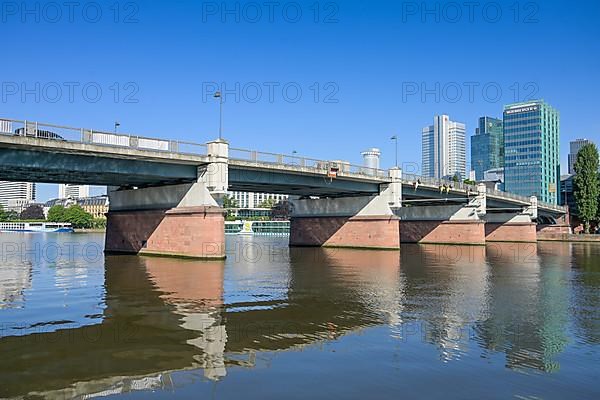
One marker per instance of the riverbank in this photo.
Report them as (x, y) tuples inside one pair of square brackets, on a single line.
[(100, 230), (567, 237)]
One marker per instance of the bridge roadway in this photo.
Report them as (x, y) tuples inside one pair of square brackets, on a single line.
[(31, 151)]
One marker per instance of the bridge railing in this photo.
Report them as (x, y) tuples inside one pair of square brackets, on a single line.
[(101, 138), (412, 178), (341, 168)]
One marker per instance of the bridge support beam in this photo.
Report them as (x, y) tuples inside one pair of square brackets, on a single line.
[(177, 220), (447, 224), (512, 227), (354, 222)]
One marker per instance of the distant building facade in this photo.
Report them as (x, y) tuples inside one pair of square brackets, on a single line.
[(575, 146), (12, 193), (494, 179), (253, 199), (532, 150), (487, 146), (96, 206), (443, 148), (66, 191), (567, 197)]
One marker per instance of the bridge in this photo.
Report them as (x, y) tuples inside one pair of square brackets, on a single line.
[(165, 194)]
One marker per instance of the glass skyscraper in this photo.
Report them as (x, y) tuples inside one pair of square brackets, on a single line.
[(532, 150), (487, 146), (443, 149)]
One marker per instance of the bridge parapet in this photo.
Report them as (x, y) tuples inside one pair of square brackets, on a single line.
[(98, 137)]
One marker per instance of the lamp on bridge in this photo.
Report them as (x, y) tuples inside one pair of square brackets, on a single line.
[(395, 138), (219, 96), (117, 125)]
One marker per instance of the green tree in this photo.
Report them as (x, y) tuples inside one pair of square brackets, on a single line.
[(33, 212), (56, 214), (8, 215), (229, 202), (78, 217), (586, 184)]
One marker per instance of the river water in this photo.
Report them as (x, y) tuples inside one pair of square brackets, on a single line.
[(452, 322)]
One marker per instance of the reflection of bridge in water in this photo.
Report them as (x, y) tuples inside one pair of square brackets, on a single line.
[(167, 315)]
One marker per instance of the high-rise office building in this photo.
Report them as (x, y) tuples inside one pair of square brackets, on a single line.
[(66, 191), (16, 192), (443, 148), (487, 147), (575, 146), (532, 150)]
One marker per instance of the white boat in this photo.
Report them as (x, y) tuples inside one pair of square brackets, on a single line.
[(257, 227), (35, 227)]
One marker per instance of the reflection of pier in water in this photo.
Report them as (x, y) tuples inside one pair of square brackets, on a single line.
[(170, 315)]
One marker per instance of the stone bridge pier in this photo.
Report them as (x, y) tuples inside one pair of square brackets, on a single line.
[(181, 220), (445, 224), (354, 222), (512, 226)]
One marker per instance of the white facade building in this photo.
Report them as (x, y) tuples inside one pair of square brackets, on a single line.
[(444, 148), (252, 199), (12, 193), (66, 191)]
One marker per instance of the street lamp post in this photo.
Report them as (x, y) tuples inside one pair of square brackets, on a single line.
[(219, 96), (395, 138), (117, 125)]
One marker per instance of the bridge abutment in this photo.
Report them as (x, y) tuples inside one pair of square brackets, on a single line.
[(175, 220)]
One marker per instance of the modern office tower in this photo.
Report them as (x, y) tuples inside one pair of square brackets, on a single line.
[(575, 146), (443, 148), (487, 146), (16, 192), (66, 191), (532, 150)]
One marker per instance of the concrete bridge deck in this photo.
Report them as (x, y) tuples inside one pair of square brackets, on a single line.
[(86, 156)]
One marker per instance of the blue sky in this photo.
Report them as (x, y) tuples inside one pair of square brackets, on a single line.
[(361, 68)]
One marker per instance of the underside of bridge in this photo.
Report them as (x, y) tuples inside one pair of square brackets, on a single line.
[(62, 164)]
